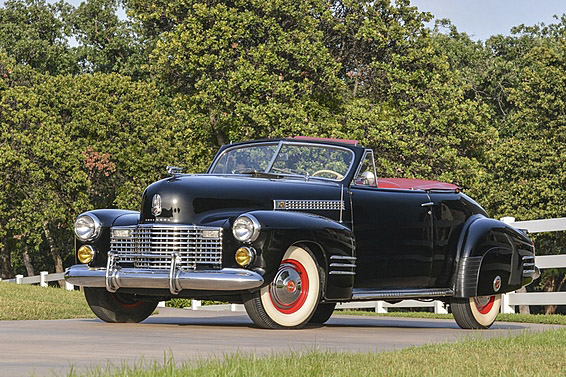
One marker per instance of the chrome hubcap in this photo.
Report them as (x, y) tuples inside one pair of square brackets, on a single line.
[(482, 302), (286, 287)]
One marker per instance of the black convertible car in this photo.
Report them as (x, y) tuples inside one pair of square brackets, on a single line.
[(291, 227)]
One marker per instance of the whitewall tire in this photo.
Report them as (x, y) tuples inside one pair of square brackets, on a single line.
[(292, 298), (476, 312)]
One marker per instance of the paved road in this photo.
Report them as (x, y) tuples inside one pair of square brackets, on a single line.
[(50, 347)]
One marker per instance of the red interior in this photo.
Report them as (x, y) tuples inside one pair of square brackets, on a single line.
[(414, 184)]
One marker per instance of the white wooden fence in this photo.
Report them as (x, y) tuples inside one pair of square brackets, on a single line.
[(508, 301), (42, 279)]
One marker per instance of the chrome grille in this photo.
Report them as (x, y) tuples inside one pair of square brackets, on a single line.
[(151, 246)]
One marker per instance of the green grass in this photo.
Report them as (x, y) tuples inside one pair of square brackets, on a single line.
[(529, 354), (21, 302), (552, 319)]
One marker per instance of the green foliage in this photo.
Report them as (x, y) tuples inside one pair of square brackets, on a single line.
[(245, 69), (179, 303), (105, 42), (91, 141), (33, 33)]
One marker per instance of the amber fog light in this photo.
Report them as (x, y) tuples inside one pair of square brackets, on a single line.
[(86, 254), (245, 256)]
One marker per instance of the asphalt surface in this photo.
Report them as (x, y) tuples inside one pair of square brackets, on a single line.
[(47, 348)]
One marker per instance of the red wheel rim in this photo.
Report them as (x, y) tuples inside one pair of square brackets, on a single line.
[(125, 305), (289, 289), (484, 304)]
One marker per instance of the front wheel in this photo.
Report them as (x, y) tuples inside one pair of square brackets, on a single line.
[(476, 312), (323, 313), (118, 307), (292, 298)]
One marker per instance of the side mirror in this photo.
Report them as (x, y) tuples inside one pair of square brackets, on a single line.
[(368, 178)]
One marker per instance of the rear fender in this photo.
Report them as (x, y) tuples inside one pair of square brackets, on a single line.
[(490, 258)]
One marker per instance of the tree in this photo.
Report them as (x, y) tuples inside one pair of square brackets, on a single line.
[(34, 33), (105, 42), (244, 69), (75, 143)]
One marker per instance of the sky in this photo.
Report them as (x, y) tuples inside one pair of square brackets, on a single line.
[(481, 19)]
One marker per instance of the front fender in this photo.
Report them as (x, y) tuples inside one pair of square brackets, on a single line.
[(490, 251), (108, 218), (325, 238)]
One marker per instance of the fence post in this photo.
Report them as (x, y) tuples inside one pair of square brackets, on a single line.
[(379, 308), (43, 278), (439, 307), (508, 219), (19, 279), (195, 304), (505, 307)]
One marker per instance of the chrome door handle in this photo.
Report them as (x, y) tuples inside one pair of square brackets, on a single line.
[(427, 204)]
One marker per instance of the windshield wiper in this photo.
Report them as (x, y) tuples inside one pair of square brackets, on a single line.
[(257, 173)]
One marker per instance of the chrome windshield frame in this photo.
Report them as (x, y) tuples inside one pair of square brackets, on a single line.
[(280, 144)]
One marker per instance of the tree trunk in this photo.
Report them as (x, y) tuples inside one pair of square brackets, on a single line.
[(220, 138), (6, 260), (27, 260), (523, 309), (56, 256)]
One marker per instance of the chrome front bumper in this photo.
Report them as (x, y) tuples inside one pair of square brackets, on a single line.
[(226, 279)]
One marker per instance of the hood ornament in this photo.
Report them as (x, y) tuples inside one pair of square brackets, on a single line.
[(156, 205), (174, 170)]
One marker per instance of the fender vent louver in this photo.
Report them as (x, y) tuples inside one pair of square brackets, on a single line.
[(312, 205)]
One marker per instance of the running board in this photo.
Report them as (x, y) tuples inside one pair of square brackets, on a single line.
[(364, 294)]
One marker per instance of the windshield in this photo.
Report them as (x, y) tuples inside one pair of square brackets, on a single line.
[(286, 158)]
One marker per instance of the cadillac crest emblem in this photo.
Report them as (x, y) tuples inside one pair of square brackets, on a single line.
[(156, 205)]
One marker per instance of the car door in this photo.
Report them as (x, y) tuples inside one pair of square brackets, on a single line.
[(393, 232)]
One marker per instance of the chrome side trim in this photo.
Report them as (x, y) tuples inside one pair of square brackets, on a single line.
[(226, 279), (312, 205), (361, 294), (343, 257), (347, 265), (342, 265)]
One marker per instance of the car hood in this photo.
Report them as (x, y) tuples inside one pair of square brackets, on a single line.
[(208, 199)]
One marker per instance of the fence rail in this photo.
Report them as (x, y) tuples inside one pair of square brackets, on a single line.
[(42, 279)]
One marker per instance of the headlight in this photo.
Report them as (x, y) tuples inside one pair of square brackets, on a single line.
[(87, 227), (246, 228)]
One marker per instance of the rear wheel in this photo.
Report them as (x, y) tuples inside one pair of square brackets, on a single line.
[(476, 312), (292, 298), (118, 307)]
